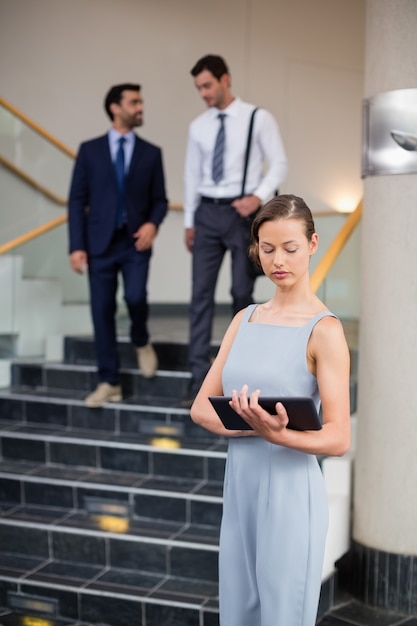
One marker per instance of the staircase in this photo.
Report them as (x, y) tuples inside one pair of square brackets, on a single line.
[(108, 516)]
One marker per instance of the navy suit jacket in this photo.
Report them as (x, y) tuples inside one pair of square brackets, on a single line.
[(93, 194)]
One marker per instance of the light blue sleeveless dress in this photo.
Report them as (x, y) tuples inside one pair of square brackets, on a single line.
[(275, 512)]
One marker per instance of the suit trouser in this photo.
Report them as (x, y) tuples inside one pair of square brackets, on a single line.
[(120, 257), (218, 228)]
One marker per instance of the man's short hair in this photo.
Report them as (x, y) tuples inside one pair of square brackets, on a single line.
[(114, 95), (213, 63)]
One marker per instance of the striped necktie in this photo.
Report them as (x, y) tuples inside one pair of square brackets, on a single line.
[(218, 154)]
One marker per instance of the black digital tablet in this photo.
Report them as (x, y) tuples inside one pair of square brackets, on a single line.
[(301, 412)]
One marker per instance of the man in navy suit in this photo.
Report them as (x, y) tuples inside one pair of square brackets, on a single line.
[(116, 205)]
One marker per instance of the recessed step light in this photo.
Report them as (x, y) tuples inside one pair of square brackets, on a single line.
[(40, 605)]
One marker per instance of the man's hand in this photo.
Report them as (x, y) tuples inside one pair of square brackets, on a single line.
[(78, 261), (144, 236), (247, 205), (189, 238)]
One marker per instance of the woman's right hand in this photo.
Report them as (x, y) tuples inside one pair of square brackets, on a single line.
[(262, 422)]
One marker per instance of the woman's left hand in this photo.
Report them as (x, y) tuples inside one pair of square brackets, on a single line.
[(265, 424)]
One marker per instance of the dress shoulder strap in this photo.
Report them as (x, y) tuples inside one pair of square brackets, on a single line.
[(248, 312), (316, 318)]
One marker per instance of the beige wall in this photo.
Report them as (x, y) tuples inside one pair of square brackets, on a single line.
[(302, 59)]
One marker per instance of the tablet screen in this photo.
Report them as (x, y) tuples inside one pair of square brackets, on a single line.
[(301, 412)]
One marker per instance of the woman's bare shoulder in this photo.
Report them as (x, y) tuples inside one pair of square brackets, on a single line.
[(328, 331)]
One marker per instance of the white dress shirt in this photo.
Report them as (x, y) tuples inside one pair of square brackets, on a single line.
[(266, 147)]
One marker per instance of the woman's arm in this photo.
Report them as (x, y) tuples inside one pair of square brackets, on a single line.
[(328, 355), (202, 411)]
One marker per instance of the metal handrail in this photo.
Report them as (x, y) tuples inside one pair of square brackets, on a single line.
[(32, 182), (36, 232), (38, 129), (333, 251)]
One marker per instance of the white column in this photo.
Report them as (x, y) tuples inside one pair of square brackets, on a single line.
[(385, 486)]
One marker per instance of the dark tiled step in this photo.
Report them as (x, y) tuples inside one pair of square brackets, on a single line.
[(121, 610), (83, 378), (112, 596), (164, 455), (354, 613), (88, 452), (13, 618), (139, 560), (171, 355), (134, 439), (81, 351), (173, 499), (104, 541), (20, 409), (166, 389), (105, 523)]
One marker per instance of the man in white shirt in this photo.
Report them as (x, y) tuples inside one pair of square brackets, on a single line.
[(216, 211)]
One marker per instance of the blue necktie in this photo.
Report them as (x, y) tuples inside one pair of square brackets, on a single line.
[(119, 165), (217, 165)]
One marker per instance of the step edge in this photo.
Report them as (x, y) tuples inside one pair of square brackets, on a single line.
[(48, 365), (74, 530), (8, 433), (97, 592), (9, 394), (32, 478)]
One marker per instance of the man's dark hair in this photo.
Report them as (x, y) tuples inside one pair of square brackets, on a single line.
[(114, 95), (213, 63)]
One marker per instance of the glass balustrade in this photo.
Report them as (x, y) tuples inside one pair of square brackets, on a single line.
[(37, 286), (34, 177), (32, 154), (340, 288), (35, 278)]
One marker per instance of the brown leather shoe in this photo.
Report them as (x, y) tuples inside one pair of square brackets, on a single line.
[(147, 360), (103, 393)]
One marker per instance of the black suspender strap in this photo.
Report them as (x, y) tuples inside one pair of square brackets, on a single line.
[(248, 146)]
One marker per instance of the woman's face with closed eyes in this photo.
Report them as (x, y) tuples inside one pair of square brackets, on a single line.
[(285, 250)]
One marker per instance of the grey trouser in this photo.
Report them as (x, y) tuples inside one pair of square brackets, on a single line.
[(218, 227)]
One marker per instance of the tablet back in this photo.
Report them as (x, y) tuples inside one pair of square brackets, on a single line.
[(301, 412)]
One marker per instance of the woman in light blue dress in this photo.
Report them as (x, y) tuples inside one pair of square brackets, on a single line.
[(275, 507)]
